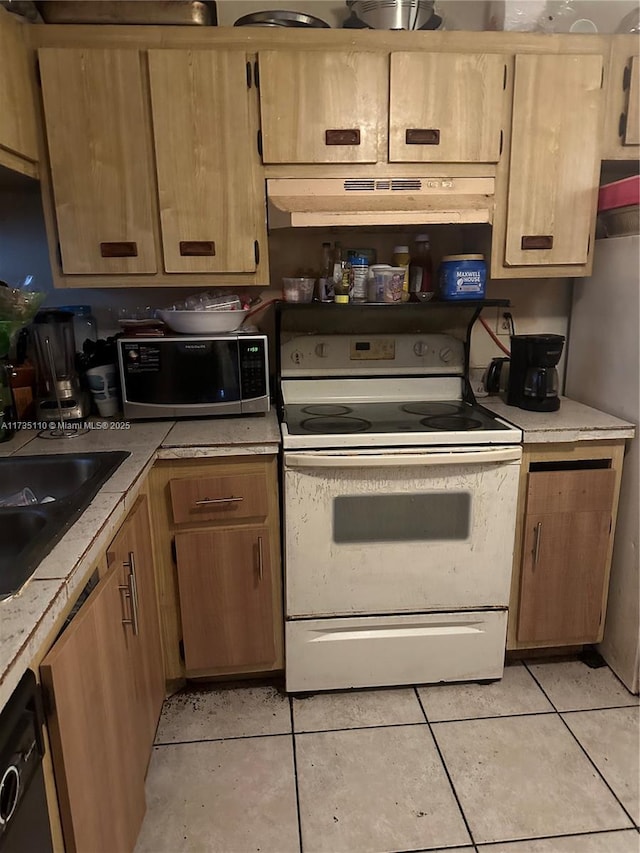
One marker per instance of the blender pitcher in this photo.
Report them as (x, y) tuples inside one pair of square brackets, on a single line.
[(58, 389)]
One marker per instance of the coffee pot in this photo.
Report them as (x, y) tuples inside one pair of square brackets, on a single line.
[(533, 377)]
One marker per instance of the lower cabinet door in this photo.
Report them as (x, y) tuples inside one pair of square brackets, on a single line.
[(225, 585), (132, 550), (567, 529), (88, 674)]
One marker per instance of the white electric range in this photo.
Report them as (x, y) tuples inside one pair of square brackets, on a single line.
[(400, 495)]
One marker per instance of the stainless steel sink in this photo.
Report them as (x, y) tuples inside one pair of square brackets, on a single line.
[(28, 533)]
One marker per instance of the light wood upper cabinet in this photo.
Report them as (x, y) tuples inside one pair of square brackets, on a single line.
[(206, 160), (18, 135), (323, 107), (566, 542), (621, 131), (226, 592), (98, 139), (555, 159), (446, 107)]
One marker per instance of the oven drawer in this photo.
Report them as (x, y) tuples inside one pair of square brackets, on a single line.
[(376, 651), (231, 498)]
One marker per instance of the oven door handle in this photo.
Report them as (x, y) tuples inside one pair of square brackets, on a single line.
[(378, 460)]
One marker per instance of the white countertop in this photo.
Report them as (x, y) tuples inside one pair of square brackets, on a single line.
[(572, 422), (27, 619)]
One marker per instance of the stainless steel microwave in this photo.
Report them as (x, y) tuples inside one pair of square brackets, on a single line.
[(186, 376)]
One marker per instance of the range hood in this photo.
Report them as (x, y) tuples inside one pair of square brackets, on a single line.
[(308, 202)]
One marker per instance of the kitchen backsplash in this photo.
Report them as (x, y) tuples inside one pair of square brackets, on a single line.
[(536, 305)]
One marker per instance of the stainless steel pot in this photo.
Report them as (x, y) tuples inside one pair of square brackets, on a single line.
[(393, 14)]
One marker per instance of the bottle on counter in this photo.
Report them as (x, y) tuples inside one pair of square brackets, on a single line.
[(401, 258), (324, 291), (360, 273), (421, 287), (342, 280)]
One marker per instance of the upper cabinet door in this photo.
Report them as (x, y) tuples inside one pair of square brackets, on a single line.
[(322, 107), (17, 108), (555, 159), (98, 138), (632, 124), (206, 160), (446, 107)]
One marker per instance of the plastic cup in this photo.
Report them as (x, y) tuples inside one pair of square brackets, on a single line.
[(103, 384)]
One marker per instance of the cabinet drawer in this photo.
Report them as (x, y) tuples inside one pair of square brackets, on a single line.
[(219, 498), (570, 491)]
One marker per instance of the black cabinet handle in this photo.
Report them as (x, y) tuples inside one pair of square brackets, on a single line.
[(422, 136), (119, 250), (197, 248), (537, 241), (342, 137)]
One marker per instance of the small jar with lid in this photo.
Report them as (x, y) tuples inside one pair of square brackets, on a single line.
[(401, 258)]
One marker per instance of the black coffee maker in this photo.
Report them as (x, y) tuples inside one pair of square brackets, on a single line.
[(533, 377)]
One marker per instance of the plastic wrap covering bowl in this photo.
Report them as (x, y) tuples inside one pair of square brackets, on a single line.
[(202, 322)]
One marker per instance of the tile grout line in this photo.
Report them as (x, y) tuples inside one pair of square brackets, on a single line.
[(295, 773), (482, 844), (446, 769), (590, 760), (219, 739)]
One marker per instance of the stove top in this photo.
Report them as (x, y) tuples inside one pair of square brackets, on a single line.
[(383, 418), (382, 391)]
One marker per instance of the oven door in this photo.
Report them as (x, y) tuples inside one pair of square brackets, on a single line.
[(399, 530)]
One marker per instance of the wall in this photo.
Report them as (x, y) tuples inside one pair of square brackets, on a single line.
[(537, 305)]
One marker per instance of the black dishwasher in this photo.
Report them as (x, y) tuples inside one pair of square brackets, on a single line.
[(24, 819)]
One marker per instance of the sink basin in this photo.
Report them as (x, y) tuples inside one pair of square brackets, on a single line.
[(28, 533)]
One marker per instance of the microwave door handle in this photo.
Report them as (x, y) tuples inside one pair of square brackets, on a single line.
[(334, 460)]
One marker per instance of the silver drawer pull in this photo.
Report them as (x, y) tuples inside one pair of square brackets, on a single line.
[(131, 592), (206, 501), (536, 545)]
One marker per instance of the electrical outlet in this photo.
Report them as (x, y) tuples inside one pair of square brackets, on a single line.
[(503, 325)]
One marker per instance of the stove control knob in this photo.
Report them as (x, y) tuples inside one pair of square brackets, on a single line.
[(446, 354), (321, 350), (296, 356), (420, 349)]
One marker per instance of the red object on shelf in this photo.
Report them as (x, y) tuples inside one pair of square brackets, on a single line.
[(619, 194)]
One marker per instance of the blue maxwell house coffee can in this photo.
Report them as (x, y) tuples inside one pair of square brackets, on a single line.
[(463, 277)]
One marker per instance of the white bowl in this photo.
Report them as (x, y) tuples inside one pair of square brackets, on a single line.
[(202, 322)]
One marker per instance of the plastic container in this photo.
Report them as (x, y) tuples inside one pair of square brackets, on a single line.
[(401, 258), (375, 283), (298, 289), (84, 324), (463, 277), (391, 281), (360, 273)]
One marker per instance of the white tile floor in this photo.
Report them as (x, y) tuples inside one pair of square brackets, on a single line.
[(545, 761)]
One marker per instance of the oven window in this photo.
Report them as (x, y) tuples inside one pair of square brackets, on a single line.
[(402, 518)]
